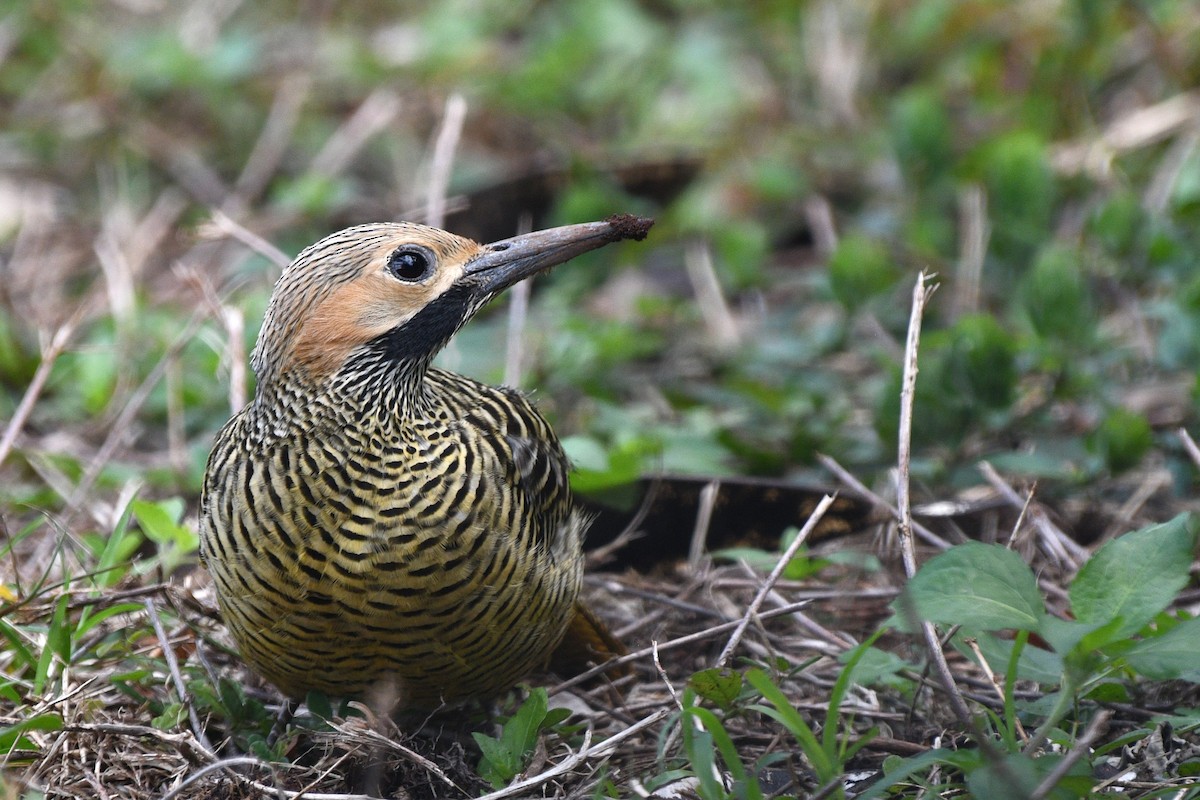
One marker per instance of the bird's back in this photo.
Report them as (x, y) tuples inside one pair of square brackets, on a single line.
[(437, 550)]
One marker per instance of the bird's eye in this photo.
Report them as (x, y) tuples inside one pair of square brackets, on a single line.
[(410, 263)]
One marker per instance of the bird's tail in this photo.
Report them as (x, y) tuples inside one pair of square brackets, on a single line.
[(588, 642)]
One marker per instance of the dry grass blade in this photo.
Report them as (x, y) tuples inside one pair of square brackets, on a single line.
[(771, 579), (921, 294), (50, 354), (226, 225), (1189, 444), (271, 146), (708, 501), (1056, 543), (443, 159), (373, 115), (818, 213), (719, 321), (227, 765), (518, 311), (185, 696), (1139, 128), (846, 477), (973, 222), (1083, 744), (707, 633), (121, 425)]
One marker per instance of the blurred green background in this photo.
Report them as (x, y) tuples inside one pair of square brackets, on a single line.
[(805, 160)]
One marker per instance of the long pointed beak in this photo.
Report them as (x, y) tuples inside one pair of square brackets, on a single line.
[(503, 263)]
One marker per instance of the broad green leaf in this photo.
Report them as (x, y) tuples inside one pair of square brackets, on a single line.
[(1065, 635), (718, 686), (1136, 576), (497, 766), (521, 731), (13, 737), (1034, 664), (979, 586), (1014, 779), (1171, 655), (877, 666), (160, 521)]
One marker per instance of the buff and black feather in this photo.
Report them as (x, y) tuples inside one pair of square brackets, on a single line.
[(369, 519)]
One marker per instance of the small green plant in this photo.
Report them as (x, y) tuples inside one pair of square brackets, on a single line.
[(506, 755), (1118, 630), (757, 693), (160, 521)]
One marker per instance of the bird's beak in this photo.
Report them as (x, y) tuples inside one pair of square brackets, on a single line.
[(503, 263)]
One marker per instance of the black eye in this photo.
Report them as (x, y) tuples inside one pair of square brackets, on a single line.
[(410, 263)]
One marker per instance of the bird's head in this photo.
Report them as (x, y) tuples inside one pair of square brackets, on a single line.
[(396, 292)]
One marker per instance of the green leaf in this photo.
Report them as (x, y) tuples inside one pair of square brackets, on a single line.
[(21, 657), (1170, 655), (718, 686), (878, 667), (1013, 779), (1136, 576), (703, 757), (118, 547), (979, 586), (58, 642), (94, 618), (859, 269), (13, 737), (160, 521), (743, 785), (1122, 439), (1034, 664), (497, 766), (980, 362), (522, 730), (1055, 296), (787, 715), (503, 758)]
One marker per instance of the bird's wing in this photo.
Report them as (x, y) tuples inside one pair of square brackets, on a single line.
[(540, 469)]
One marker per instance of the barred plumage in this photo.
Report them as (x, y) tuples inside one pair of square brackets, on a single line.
[(368, 518)]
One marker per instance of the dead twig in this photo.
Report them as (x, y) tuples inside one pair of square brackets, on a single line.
[(784, 560), (443, 159), (1189, 444), (375, 113), (1055, 542), (518, 312), (185, 696), (228, 226), (719, 321), (707, 502), (1083, 744), (921, 294), (973, 240), (50, 354), (697, 636), (846, 477)]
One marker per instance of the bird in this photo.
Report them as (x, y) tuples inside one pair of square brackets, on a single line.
[(370, 520)]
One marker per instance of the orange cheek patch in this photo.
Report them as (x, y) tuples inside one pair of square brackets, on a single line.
[(351, 316)]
